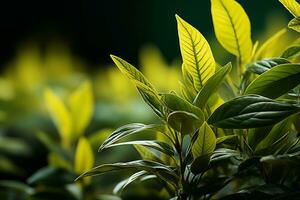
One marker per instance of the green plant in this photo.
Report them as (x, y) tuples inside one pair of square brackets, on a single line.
[(233, 132)]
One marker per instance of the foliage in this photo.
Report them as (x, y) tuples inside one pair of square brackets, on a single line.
[(233, 130)]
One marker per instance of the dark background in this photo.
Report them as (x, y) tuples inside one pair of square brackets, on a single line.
[(95, 28)]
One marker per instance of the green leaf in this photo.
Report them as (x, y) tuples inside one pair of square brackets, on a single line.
[(196, 53), (125, 131), (291, 52), (292, 6), (250, 111), (211, 86), (276, 81), (184, 122), (145, 88), (205, 142), (164, 172), (123, 184), (147, 154), (277, 132), (295, 24), (175, 103), (261, 66), (14, 146), (157, 145), (226, 139), (232, 28), (51, 176)]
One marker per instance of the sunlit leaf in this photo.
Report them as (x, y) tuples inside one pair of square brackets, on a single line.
[(84, 157), (251, 111), (196, 53), (270, 47), (81, 107), (293, 6), (232, 28), (276, 81), (60, 116), (295, 24), (145, 88)]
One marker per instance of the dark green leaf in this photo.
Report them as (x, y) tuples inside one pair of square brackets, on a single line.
[(200, 164), (250, 111), (277, 132), (276, 81), (123, 184), (261, 66), (164, 172), (157, 145), (51, 176), (291, 52)]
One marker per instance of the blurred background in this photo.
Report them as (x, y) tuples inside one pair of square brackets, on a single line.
[(59, 45)]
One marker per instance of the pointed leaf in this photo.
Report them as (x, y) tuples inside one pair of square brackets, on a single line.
[(81, 107), (157, 145), (270, 47), (291, 52), (145, 88), (125, 131), (250, 111), (60, 116), (196, 53), (164, 172), (276, 81), (211, 86), (232, 28), (123, 184), (295, 24), (292, 5), (205, 142), (84, 157)]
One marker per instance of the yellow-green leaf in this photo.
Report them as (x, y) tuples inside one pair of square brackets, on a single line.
[(295, 24), (205, 142), (145, 88), (232, 28), (196, 53), (292, 5), (270, 47), (84, 157), (81, 104), (132, 73), (60, 116)]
